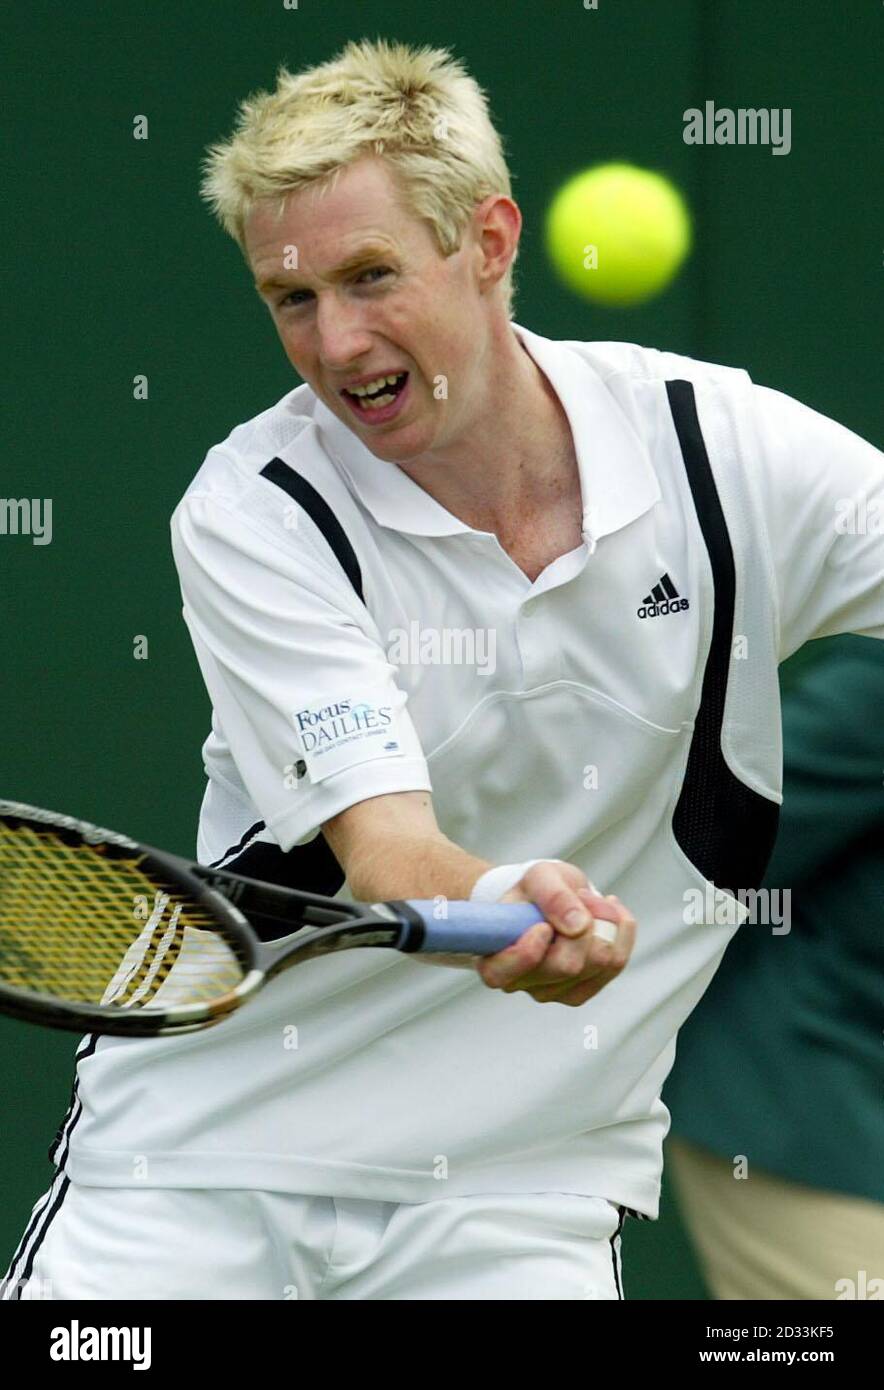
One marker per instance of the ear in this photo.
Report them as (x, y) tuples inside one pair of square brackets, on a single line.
[(496, 226)]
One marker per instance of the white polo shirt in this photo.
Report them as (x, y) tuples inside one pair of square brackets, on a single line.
[(620, 712)]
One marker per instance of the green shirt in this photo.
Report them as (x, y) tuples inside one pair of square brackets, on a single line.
[(783, 1058)]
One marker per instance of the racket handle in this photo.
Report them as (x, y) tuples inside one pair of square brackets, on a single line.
[(477, 929)]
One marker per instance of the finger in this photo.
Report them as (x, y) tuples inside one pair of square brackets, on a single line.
[(603, 962), (616, 958), (605, 912), (614, 940), (547, 886), (519, 959), (621, 930), (566, 961), (574, 995), (627, 928)]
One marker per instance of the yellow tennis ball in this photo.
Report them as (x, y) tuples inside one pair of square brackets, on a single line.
[(618, 234)]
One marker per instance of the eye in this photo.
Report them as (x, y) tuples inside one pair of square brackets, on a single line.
[(292, 301), (284, 303), (376, 270)]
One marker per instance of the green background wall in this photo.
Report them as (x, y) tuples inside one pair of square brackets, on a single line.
[(115, 269)]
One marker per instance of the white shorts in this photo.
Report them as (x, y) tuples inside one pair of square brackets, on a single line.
[(166, 1243)]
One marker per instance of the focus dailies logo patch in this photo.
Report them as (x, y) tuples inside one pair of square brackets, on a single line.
[(343, 733)]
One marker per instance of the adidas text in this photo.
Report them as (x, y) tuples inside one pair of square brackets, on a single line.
[(659, 610)]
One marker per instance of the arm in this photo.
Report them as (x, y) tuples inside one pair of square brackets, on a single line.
[(822, 497), (392, 847), (279, 633), (281, 637)]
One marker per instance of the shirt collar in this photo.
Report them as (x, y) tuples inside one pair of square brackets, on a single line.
[(617, 478)]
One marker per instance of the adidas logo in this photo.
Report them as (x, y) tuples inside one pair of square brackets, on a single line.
[(662, 599)]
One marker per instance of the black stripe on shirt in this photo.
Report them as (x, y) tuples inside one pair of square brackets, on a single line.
[(726, 829), (320, 514)]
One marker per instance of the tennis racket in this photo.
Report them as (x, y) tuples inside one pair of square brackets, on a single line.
[(101, 934)]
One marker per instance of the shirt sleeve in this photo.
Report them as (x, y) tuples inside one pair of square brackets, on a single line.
[(823, 497), (296, 671)]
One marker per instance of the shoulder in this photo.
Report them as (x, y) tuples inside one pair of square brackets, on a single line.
[(622, 363), (239, 495), (232, 466), (657, 390), (755, 434)]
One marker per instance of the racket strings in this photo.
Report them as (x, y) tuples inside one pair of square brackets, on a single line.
[(91, 928)]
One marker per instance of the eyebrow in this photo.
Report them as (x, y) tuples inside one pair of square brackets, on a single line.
[(369, 255)]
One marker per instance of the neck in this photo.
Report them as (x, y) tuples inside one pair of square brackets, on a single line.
[(520, 453)]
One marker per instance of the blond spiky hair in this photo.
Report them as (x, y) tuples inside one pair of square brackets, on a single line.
[(418, 108)]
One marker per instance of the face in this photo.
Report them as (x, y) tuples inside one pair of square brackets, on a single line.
[(373, 296)]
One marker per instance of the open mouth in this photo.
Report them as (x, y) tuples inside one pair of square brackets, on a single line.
[(380, 397)]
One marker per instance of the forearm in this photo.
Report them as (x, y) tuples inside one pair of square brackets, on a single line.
[(422, 866), (391, 847)]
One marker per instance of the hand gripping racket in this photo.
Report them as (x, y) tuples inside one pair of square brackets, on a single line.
[(101, 934)]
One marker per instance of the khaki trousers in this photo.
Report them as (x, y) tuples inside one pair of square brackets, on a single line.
[(769, 1238)]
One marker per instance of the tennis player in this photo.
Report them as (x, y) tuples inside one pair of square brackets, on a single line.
[(480, 614)]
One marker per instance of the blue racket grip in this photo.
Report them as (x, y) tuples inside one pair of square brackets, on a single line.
[(477, 929)]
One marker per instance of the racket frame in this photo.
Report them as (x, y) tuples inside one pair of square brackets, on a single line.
[(220, 893)]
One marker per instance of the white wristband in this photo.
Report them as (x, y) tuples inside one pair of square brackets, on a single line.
[(491, 887)]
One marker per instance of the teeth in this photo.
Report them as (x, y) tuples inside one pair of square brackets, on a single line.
[(375, 385)]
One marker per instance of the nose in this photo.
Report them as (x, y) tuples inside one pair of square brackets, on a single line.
[(343, 336)]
